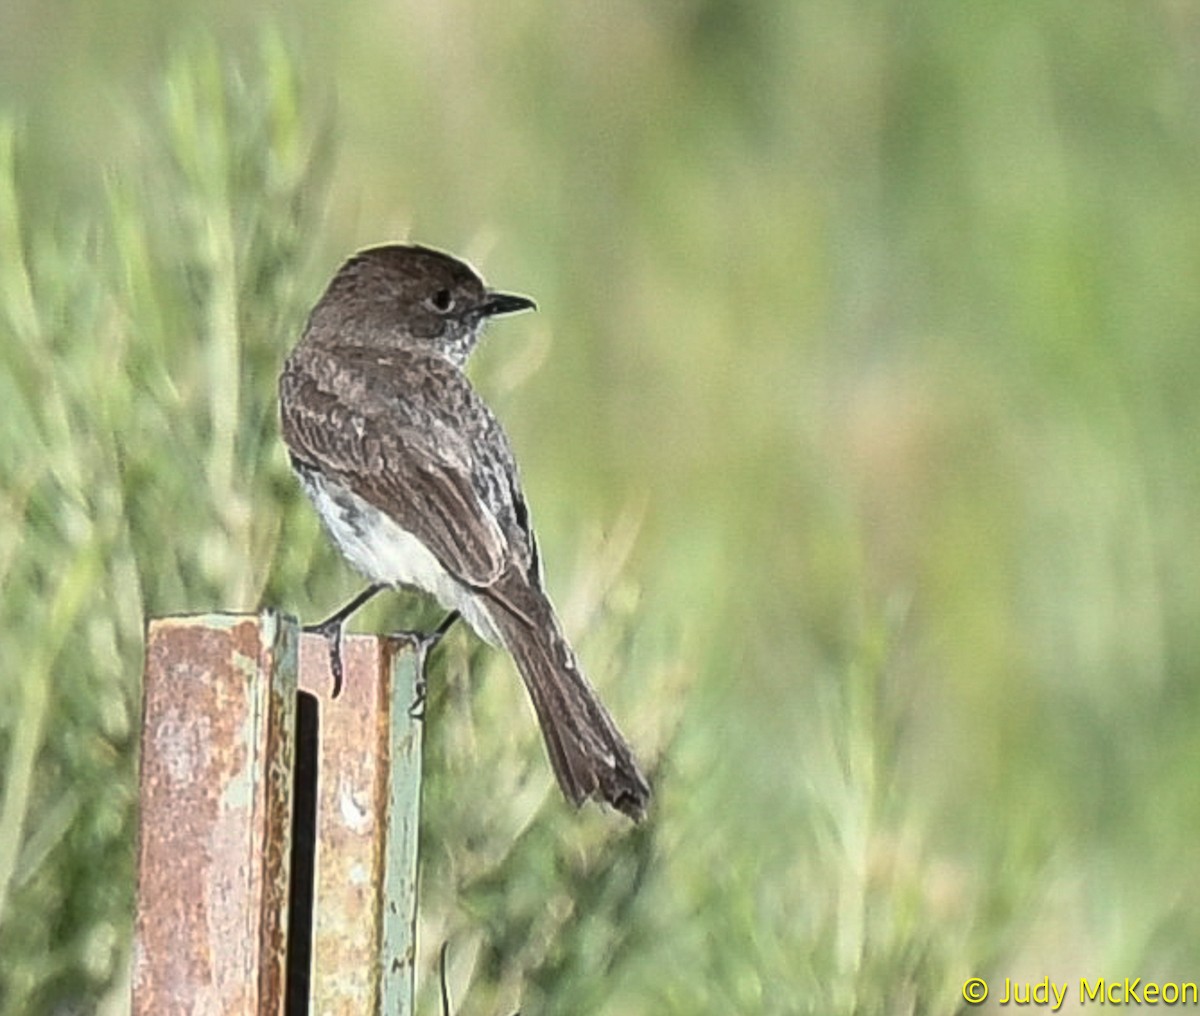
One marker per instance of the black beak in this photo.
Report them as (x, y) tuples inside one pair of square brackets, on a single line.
[(504, 303)]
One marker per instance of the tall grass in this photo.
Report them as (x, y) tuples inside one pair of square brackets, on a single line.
[(144, 476), (138, 438), (875, 322)]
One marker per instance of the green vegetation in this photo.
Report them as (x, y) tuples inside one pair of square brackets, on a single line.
[(857, 421)]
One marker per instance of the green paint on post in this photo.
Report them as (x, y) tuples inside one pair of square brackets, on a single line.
[(398, 961)]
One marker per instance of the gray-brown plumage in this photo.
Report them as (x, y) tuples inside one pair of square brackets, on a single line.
[(416, 483)]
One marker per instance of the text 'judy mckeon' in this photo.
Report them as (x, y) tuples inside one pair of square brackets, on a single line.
[(1052, 995)]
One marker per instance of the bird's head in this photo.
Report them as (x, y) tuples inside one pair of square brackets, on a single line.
[(400, 293)]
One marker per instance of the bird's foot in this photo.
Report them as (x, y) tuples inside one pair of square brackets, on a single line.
[(423, 643), (331, 631)]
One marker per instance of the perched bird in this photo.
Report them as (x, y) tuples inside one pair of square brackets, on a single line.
[(416, 483)]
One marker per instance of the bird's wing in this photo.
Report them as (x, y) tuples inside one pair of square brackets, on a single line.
[(416, 471)]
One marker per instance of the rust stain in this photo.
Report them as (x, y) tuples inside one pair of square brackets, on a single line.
[(279, 657), (215, 836), (217, 735), (351, 805)]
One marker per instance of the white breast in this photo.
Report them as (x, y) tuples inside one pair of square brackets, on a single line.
[(383, 552)]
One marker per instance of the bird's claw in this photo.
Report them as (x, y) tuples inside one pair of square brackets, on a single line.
[(331, 631)]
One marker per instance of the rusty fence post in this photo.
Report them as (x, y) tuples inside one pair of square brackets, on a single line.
[(278, 830)]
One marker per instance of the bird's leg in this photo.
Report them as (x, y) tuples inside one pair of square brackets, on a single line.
[(331, 630), (424, 643)]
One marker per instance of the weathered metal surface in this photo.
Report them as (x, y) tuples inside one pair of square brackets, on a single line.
[(218, 745), (216, 769), (398, 959), (367, 821)]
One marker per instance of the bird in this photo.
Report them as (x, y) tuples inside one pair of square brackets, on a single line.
[(416, 483)]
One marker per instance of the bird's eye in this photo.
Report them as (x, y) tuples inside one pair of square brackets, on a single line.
[(442, 301)]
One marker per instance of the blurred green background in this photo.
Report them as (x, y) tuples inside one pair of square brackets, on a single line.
[(858, 423)]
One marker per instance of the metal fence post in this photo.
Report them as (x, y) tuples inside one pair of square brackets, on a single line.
[(277, 847)]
